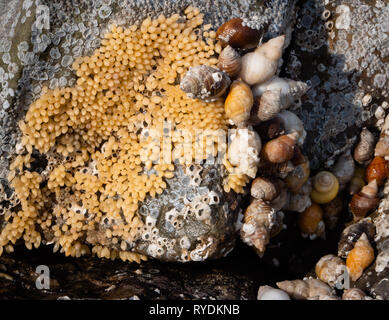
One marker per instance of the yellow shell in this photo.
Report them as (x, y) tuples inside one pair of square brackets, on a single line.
[(360, 257), (298, 177), (239, 102), (325, 187)]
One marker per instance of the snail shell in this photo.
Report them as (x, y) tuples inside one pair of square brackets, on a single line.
[(269, 293), (283, 198), (230, 61), (357, 182), (237, 35), (265, 189), (260, 223), (353, 294), (365, 200), (364, 150), (332, 211), (352, 233), (377, 170), (325, 187), (292, 123), (297, 202), (304, 289), (267, 106), (382, 146), (360, 257), (205, 83), (238, 102), (260, 65), (344, 169), (281, 149), (243, 151), (310, 222), (298, 176), (290, 90), (270, 129), (329, 268)]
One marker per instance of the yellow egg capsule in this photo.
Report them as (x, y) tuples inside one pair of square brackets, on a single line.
[(325, 187)]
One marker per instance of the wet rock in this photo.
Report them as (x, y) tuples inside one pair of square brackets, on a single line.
[(340, 49)]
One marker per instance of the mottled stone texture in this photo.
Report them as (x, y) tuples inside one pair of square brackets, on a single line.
[(341, 49)]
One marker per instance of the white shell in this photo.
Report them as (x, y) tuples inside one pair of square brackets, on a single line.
[(260, 65), (291, 90), (292, 123), (269, 293)]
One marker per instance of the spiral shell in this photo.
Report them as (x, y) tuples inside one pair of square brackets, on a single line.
[(290, 90), (260, 65), (364, 150), (352, 233), (280, 149), (353, 294), (310, 222), (332, 211), (265, 189), (304, 289), (298, 176), (270, 129), (293, 124), (297, 202), (329, 269), (344, 169), (205, 83), (238, 102), (382, 146), (377, 170), (360, 257), (238, 35), (269, 293), (243, 151), (230, 61), (260, 223), (357, 182), (365, 200), (325, 187), (267, 106)]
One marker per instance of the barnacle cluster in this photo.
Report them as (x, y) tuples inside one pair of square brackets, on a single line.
[(101, 138)]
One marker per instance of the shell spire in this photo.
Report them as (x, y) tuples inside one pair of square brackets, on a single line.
[(291, 90), (230, 61), (205, 83), (260, 65)]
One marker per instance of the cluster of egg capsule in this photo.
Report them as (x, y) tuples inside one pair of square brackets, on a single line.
[(100, 133)]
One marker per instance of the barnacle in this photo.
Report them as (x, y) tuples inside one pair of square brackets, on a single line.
[(105, 132)]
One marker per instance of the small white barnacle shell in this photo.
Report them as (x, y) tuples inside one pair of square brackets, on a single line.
[(185, 242), (202, 211), (213, 198), (150, 221), (243, 151), (260, 65), (205, 83), (270, 293), (155, 250)]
